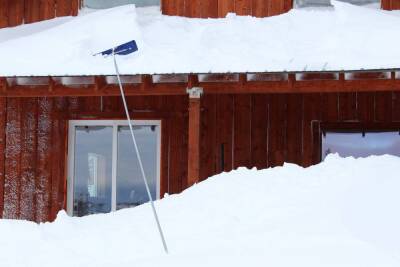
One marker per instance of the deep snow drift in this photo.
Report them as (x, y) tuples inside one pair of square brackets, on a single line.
[(345, 37), (342, 212)]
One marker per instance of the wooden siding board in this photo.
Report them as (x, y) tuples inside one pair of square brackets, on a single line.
[(396, 106), (311, 115), (12, 159), (225, 7), (3, 123), (275, 7), (167, 7), (15, 12), (47, 9), (208, 136), (347, 106), (4, 14), (277, 130), (242, 131), (63, 8), (330, 107), (28, 158), (75, 7), (243, 7), (225, 133), (260, 8), (44, 141), (259, 132), (294, 128), (210, 9), (383, 106), (366, 107)]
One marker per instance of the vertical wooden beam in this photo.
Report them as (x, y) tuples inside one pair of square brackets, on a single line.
[(3, 118), (225, 132), (259, 131), (194, 136), (311, 115), (75, 5), (47, 9), (242, 130), (225, 7), (243, 7), (260, 8), (63, 8), (15, 12)]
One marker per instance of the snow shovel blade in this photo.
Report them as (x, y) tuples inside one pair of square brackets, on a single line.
[(123, 49)]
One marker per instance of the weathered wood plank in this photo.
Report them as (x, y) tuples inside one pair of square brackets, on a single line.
[(275, 7), (194, 142), (63, 8), (277, 130), (259, 131), (366, 106), (4, 14), (383, 106), (208, 142), (294, 128), (311, 115), (225, 132), (28, 158), (15, 12), (47, 9), (330, 107), (44, 141), (396, 106), (75, 5), (12, 160), (347, 106), (243, 7), (210, 9), (3, 125), (242, 131), (225, 7), (260, 8)]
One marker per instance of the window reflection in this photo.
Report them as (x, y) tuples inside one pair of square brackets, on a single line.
[(131, 190), (98, 4), (361, 145), (92, 177)]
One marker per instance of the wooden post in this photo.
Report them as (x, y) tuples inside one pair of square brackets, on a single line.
[(194, 135)]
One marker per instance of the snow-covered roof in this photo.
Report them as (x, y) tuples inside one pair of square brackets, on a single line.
[(344, 37)]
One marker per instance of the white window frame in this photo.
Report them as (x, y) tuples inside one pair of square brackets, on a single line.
[(115, 124)]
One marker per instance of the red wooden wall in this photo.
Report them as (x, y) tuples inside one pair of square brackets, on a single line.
[(219, 8), (251, 130), (267, 130), (17, 12), (390, 4), (33, 146)]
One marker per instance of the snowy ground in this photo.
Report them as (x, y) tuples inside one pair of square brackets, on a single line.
[(343, 212), (345, 37)]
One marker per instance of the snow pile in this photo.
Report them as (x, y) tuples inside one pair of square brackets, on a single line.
[(342, 212), (345, 37)]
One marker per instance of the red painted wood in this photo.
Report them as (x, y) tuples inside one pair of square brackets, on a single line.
[(210, 9), (243, 7), (63, 8), (383, 106), (242, 131), (330, 107), (225, 7), (224, 147), (208, 128), (167, 7), (294, 128), (260, 8), (15, 12), (347, 106), (4, 15), (275, 7), (259, 131), (47, 9), (311, 114), (396, 106), (28, 158), (44, 154), (75, 6), (366, 107), (12, 168), (3, 121), (277, 130)]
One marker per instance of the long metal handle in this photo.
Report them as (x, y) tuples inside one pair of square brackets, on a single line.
[(139, 158)]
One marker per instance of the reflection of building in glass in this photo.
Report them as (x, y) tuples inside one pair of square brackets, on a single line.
[(97, 175)]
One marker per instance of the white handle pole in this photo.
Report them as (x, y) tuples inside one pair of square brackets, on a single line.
[(139, 158)]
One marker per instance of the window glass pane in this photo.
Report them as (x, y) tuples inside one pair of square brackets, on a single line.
[(357, 145), (93, 163), (107, 3), (131, 190)]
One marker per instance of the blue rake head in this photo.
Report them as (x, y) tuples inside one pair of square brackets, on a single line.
[(123, 49)]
